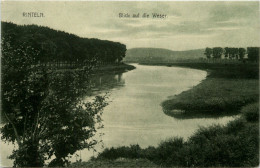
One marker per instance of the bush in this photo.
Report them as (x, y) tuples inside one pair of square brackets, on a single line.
[(251, 112), (169, 152), (234, 145), (132, 152), (235, 126)]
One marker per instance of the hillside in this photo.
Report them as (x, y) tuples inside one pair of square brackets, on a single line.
[(59, 46), (162, 55)]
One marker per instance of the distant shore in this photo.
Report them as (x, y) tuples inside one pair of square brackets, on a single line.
[(106, 69), (114, 68)]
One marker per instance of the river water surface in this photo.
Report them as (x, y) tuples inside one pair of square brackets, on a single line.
[(134, 115)]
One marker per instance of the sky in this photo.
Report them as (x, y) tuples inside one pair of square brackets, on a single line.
[(187, 25)]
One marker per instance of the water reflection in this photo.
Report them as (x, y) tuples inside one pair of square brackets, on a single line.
[(105, 82)]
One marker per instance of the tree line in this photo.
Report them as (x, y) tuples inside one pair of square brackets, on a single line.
[(233, 53), (61, 47)]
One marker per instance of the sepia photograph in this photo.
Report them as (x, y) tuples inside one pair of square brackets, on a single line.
[(129, 83)]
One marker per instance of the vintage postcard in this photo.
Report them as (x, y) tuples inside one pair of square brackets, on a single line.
[(129, 84)]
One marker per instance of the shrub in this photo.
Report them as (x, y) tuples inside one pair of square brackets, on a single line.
[(235, 126), (169, 152), (132, 152), (234, 145), (251, 112)]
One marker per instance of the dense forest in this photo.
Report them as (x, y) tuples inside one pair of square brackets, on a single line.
[(59, 48), (251, 53)]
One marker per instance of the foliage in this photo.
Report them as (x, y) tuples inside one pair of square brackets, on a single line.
[(251, 112), (120, 162), (217, 52), (208, 52), (233, 53), (227, 52), (58, 46), (242, 53), (233, 145), (131, 152), (253, 53), (45, 109)]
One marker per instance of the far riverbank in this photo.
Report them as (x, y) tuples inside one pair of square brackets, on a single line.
[(114, 68), (106, 69)]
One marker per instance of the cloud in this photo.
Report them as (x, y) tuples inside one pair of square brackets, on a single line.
[(188, 25), (229, 11)]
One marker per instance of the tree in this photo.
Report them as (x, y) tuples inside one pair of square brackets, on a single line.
[(217, 52), (208, 52), (227, 52), (58, 46), (253, 53), (45, 109), (242, 53), (234, 53)]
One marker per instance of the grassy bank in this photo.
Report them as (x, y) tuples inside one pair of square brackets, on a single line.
[(226, 89)]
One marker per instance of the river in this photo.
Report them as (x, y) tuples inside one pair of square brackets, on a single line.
[(134, 114)]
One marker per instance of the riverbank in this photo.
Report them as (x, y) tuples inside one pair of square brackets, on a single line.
[(233, 145), (107, 69), (114, 68), (227, 88)]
